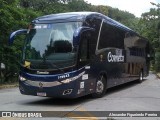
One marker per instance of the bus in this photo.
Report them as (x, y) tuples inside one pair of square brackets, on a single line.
[(69, 55)]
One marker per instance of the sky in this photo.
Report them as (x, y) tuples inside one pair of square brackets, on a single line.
[(136, 7)]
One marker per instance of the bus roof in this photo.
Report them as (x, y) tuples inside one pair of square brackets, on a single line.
[(77, 16), (70, 16)]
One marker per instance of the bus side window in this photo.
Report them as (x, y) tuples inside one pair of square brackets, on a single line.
[(111, 36)]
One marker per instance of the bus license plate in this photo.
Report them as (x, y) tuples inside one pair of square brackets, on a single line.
[(41, 94)]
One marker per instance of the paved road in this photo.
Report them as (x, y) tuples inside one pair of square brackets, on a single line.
[(128, 97)]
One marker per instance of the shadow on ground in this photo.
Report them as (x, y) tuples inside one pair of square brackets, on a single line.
[(71, 102)]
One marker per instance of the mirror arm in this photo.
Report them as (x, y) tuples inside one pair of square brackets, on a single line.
[(12, 35)]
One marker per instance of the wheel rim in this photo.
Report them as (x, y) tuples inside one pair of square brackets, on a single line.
[(100, 87)]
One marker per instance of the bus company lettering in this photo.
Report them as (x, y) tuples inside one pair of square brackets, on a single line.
[(115, 58)]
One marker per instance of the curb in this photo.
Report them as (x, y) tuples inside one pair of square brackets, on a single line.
[(5, 86)]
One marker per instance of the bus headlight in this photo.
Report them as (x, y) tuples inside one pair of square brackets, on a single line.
[(22, 78), (66, 81)]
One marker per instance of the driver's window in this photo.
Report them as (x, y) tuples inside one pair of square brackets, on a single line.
[(84, 50), (84, 47)]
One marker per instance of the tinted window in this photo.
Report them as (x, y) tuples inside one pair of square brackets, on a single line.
[(84, 50), (94, 22), (111, 36), (137, 51)]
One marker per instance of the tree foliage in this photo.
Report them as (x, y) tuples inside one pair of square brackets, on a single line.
[(149, 27)]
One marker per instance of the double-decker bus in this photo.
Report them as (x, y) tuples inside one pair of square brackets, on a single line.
[(69, 55)]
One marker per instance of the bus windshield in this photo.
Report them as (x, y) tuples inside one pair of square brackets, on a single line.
[(50, 46)]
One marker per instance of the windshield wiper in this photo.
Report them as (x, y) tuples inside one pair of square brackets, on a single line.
[(54, 65)]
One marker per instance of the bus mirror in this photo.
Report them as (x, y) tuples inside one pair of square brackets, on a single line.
[(77, 34), (13, 34)]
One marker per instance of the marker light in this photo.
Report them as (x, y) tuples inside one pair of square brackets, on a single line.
[(22, 78), (66, 81)]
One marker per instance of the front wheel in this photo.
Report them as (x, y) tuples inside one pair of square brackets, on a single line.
[(100, 88)]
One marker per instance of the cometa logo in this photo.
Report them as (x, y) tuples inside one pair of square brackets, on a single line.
[(115, 58)]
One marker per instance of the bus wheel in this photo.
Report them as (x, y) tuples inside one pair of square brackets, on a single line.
[(100, 88), (140, 76)]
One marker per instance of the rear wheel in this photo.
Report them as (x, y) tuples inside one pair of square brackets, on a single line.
[(140, 76), (100, 88)]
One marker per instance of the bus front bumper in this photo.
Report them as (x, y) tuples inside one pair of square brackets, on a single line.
[(41, 89)]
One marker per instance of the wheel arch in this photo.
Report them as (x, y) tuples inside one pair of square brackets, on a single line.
[(102, 81), (104, 73)]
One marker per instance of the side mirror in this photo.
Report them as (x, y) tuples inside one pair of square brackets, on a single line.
[(78, 32), (12, 35)]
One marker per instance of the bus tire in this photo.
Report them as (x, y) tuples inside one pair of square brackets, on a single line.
[(140, 76), (100, 87)]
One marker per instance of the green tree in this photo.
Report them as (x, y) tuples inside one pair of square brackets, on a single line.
[(101, 9), (13, 17), (78, 5), (149, 28)]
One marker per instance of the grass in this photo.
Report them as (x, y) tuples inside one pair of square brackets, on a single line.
[(8, 85)]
